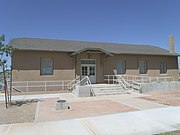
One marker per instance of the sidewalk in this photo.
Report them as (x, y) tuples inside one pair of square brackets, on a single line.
[(26, 97), (144, 122)]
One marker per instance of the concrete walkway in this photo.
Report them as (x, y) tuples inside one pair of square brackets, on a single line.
[(131, 100), (137, 103), (144, 122), (26, 97)]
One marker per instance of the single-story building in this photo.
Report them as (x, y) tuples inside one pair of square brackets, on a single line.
[(44, 59)]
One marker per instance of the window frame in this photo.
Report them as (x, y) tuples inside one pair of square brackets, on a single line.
[(145, 71), (52, 72), (123, 67), (164, 63)]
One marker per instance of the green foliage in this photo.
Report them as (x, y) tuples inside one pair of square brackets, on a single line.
[(5, 51)]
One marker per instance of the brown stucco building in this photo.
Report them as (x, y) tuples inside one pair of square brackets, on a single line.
[(44, 59)]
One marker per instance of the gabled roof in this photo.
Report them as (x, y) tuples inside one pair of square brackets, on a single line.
[(76, 46), (92, 49)]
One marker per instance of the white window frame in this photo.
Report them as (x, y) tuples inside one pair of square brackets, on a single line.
[(120, 67), (43, 71)]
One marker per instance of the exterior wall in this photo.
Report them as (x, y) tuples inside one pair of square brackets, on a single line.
[(26, 66), (153, 65)]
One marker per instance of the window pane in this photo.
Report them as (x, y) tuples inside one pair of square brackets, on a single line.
[(84, 70), (120, 66), (142, 67), (46, 67), (163, 67), (92, 70), (88, 62)]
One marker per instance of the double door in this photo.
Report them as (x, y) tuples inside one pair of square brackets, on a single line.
[(90, 71)]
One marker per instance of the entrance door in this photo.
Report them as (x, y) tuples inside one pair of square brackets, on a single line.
[(88, 68)]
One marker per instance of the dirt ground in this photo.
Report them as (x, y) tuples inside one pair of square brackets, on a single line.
[(47, 111), (171, 97), (19, 112)]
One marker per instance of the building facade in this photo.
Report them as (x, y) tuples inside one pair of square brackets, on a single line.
[(44, 60)]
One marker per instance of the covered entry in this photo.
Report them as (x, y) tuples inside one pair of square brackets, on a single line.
[(88, 68), (90, 62)]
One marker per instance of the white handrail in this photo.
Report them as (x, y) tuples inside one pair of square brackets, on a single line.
[(27, 86), (86, 81), (72, 84), (122, 81), (119, 81), (139, 79)]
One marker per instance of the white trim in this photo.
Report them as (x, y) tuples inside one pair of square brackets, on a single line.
[(88, 65)]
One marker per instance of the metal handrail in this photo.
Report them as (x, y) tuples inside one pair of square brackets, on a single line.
[(140, 79), (26, 85), (86, 81), (72, 84)]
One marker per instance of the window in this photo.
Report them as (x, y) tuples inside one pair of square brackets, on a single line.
[(163, 67), (84, 70), (143, 67), (92, 70), (120, 66), (46, 66), (88, 62)]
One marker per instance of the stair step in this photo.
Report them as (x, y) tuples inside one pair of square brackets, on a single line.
[(136, 87), (111, 93), (105, 89), (108, 91)]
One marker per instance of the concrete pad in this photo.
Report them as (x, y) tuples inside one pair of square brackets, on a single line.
[(170, 115), (126, 123), (4, 129), (138, 103), (81, 109), (136, 123), (71, 127)]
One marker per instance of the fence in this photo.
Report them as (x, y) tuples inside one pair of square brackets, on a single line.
[(40, 86), (139, 79)]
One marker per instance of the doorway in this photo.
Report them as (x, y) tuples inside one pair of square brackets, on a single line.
[(88, 68)]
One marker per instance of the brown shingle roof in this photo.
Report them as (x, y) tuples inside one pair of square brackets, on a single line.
[(73, 46)]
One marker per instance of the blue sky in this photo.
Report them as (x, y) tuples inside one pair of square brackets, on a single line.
[(119, 21)]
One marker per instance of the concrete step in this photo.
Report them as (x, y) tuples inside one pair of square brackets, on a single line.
[(108, 89), (109, 93)]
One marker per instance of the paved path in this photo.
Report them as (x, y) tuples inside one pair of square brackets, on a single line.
[(26, 97), (137, 103), (144, 122), (126, 99)]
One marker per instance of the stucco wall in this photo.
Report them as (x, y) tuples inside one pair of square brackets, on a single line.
[(153, 63), (26, 66)]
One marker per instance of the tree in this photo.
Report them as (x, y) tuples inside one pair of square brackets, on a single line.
[(5, 52)]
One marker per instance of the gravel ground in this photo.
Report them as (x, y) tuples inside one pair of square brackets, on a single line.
[(19, 112)]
